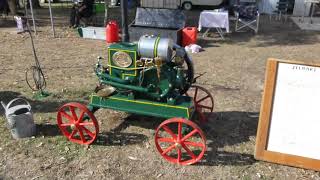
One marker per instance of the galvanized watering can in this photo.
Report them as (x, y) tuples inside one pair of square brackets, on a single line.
[(19, 119)]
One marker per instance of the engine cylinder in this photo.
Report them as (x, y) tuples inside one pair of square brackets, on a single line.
[(153, 46)]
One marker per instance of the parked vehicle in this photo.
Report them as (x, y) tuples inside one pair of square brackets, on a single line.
[(188, 4), (175, 4)]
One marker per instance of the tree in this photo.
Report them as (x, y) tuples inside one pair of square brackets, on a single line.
[(12, 6), (35, 3)]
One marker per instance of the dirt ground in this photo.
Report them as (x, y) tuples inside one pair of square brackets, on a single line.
[(233, 70)]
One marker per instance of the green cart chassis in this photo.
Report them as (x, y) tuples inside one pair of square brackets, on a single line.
[(177, 139), (144, 107)]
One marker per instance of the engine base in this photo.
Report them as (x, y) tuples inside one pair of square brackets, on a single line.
[(184, 106)]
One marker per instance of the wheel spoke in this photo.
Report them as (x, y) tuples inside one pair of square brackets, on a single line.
[(179, 155), (168, 130), (63, 113), (81, 116), (188, 151), (202, 99), (196, 144), (179, 130), (86, 124), (73, 133), (195, 95), (203, 106), (189, 135), (81, 135), (170, 140), (91, 134), (168, 149), (66, 124), (73, 113)]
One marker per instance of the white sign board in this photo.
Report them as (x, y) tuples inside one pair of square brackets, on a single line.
[(289, 125), (295, 119)]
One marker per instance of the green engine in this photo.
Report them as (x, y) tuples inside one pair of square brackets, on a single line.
[(154, 68)]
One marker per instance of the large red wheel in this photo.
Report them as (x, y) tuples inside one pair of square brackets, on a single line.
[(203, 101), (71, 122), (177, 148)]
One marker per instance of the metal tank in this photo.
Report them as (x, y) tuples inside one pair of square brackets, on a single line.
[(153, 46)]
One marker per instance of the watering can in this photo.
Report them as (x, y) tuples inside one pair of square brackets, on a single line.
[(19, 118)]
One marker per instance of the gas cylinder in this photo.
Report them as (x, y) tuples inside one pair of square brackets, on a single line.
[(189, 36), (112, 32)]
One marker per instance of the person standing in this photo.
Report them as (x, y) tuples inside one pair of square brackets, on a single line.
[(80, 10)]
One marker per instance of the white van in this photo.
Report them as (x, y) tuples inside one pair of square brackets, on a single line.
[(174, 4), (187, 4)]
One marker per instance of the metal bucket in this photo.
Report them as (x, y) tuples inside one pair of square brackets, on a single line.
[(20, 119), (153, 46)]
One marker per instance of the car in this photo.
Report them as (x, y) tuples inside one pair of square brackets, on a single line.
[(188, 4)]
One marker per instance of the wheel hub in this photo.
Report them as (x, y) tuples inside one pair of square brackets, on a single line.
[(178, 145)]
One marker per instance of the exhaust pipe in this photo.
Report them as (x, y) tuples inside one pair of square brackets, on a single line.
[(124, 18)]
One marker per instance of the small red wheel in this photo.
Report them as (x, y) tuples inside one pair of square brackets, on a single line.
[(70, 119), (203, 101), (175, 147)]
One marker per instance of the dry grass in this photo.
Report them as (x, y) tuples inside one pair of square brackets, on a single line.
[(234, 74)]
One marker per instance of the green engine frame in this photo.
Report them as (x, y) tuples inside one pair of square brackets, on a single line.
[(181, 106), (184, 108)]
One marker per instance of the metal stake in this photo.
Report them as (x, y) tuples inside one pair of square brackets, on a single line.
[(33, 21), (52, 27)]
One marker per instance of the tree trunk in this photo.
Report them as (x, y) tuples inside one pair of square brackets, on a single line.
[(106, 8), (12, 6), (36, 4)]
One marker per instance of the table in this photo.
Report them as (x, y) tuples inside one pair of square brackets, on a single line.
[(217, 19)]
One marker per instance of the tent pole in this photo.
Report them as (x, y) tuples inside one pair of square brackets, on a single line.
[(51, 19), (33, 21)]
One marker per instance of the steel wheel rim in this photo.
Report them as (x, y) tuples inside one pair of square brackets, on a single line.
[(198, 101), (180, 143), (72, 123), (187, 6)]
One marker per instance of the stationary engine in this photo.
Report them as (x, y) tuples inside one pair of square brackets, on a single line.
[(155, 68)]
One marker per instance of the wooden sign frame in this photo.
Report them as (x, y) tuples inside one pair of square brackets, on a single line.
[(261, 151)]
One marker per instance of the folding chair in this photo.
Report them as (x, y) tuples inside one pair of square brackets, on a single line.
[(247, 15), (282, 10)]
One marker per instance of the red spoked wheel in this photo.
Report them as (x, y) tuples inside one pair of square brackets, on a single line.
[(77, 123), (203, 101), (177, 148)]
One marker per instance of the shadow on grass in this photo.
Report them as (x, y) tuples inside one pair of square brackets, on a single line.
[(48, 130), (227, 129), (223, 129), (119, 139), (44, 106), (228, 158), (7, 23)]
